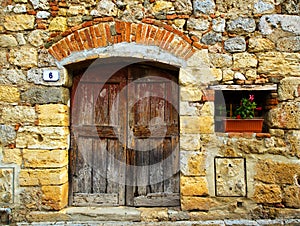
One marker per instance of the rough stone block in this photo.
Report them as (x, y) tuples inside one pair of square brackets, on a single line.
[(269, 23), (221, 60), (276, 63), (204, 6), (196, 125), (230, 177), (193, 186), (190, 93), (37, 177), (190, 108), (9, 94), (190, 142), (53, 115), (289, 89), (11, 76), (35, 75), (244, 60), (6, 185), (288, 44), (241, 25), (260, 45), (18, 114), (46, 95), (234, 45), (192, 163), (55, 197), (269, 171), (58, 24), (12, 156), (7, 134), (291, 196), (286, 115), (19, 22), (267, 193), (45, 158), (154, 214), (8, 41), (43, 137), (24, 57), (197, 203)]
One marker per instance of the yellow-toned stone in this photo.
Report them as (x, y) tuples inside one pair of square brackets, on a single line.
[(267, 193), (18, 114), (55, 197), (45, 158), (48, 138), (192, 163), (24, 57), (12, 156), (196, 125), (58, 24), (190, 93), (277, 63), (193, 186), (179, 23), (260, 45), (162, 6), (53, 115), (196, 203), (154, 214), (35, 177), (244, 60), (269, 171), (9, 94), (292, 197), (47, 216), (19, 22), (228, 75), (190, 142)]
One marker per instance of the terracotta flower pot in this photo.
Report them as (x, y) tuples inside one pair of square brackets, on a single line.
[(243, 125)]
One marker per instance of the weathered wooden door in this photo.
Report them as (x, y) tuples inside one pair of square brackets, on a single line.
[(125, 138)]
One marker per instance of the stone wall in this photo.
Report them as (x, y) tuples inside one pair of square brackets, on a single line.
[(255, 42)]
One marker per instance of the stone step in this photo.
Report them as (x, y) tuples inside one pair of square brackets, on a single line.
[(266, 222)]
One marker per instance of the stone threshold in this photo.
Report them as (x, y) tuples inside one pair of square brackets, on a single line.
[(269, 222)]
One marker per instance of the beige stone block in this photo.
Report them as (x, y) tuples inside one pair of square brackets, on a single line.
[(269, 171), (6, 185), (291, 197), (55, 197), (289, 89), (19, 22), (187, 77), (193, 186), (221, 60), (47, 216), (12, 156), (276, 63), (58, 24), (207, 109), (260, 45), (24, 57), (286, 115), (18, 114), (9, 94), (267, 193), (190, 142), (228, 75), (190, 108), (53, 115), (32, 137), (251, 74), (196, 125), (190, 93), (200, 59), (36, 177), (45, 158), (244, 60), (154, 214), (196, 203), (3, 57), (192, 163)]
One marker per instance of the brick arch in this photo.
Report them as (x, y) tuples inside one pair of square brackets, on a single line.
[(103, 32)]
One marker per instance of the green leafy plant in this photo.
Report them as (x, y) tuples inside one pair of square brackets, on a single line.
[(247, 108)]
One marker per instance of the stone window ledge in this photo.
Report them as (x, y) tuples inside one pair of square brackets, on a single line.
[(244, 135)]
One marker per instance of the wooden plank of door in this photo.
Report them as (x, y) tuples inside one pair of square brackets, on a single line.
[(84, 199), (158, 199)]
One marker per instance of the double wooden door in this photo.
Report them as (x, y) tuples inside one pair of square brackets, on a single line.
[(124, 145)]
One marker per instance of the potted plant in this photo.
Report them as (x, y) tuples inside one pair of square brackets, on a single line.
[(244, 119)]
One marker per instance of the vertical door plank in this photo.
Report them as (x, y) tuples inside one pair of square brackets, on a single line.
[(101, 104), (99, 165)]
